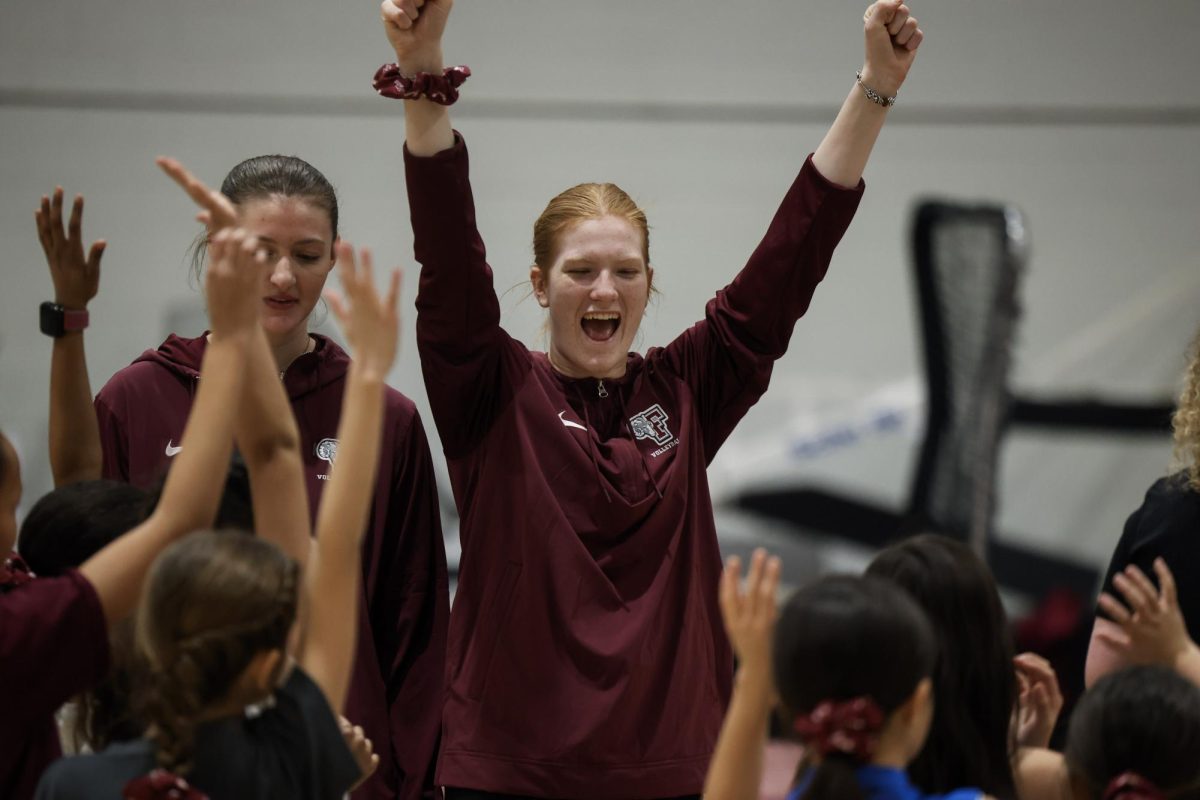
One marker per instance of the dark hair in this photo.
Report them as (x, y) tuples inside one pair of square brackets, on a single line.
[(1144, 720), (212, 602), (974, 684), (264, 176), (72, 523), (235, 509), (846, 637), (65, 528)]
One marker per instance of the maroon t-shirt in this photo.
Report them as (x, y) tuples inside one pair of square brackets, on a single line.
[(397, 683), (53, 645), (586, 655)]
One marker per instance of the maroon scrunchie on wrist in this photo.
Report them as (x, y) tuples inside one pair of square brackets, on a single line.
[(1131, 786), (161, 785), (849, 727), (441, 89)]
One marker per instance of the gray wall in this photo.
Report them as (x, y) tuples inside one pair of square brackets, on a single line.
[(1085, 115)]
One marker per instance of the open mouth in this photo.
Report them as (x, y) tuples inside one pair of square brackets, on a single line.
[(600, 326)]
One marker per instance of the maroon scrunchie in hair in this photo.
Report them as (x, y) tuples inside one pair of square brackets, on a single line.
[(14, 572), (849, 727), (1131, 786), (161, 785)]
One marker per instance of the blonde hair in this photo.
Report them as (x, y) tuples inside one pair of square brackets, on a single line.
[(1186, 419), (585, 201), (212, 602)]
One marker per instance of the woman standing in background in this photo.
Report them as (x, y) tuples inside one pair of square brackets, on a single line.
[(396, 687)]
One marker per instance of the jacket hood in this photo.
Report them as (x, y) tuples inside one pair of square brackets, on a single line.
[(308, 373)]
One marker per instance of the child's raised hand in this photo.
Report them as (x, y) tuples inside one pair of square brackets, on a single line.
[(361, 748), (371, 323), (76, 278), (750, 615), (1039, 702), (217, 211), (1152, 628), (233, 284)]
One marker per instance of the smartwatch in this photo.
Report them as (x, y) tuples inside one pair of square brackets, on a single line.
[(56, 320)]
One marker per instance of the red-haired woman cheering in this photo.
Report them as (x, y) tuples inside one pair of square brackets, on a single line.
[(586, 658)]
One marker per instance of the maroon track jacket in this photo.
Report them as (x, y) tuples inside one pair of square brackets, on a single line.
[(586, 657), (397, 685)]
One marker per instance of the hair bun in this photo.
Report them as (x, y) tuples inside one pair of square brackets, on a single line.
[(849, 727)]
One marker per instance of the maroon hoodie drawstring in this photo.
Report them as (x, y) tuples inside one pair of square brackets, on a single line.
[(587, 434)]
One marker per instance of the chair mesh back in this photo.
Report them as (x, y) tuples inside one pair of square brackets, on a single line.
[(968, 262)]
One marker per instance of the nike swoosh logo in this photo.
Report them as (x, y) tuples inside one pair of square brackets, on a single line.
[(568, 423), (172, 451)]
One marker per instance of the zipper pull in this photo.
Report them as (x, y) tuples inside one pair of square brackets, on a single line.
[(600, 390)]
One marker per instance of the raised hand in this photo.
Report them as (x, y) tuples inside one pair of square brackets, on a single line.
[(217, 211), (1039, 701), (735, 771), (750, 616), (415, 28), (233, 284), (1152, 628), (76, 277), (371, 323), (331, 580), (361, 748), (892, 38)]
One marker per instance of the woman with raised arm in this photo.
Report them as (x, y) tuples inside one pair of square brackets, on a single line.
[(223, 613), (53, 631), (292, 210), (586, 657)]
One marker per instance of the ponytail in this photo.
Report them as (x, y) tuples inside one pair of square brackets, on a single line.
[(1135, 736), (845, 736), (848, 651), (834, 779)]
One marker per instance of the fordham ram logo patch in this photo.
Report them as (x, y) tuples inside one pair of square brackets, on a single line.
[(651, 424), (326, 450)]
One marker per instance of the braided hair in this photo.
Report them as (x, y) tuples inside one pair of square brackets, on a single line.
[(213, 601)]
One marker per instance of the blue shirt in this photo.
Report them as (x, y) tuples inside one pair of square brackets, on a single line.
[(889, 783)]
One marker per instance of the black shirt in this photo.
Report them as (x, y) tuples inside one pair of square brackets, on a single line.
[(1168, 525), (293, 749)]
